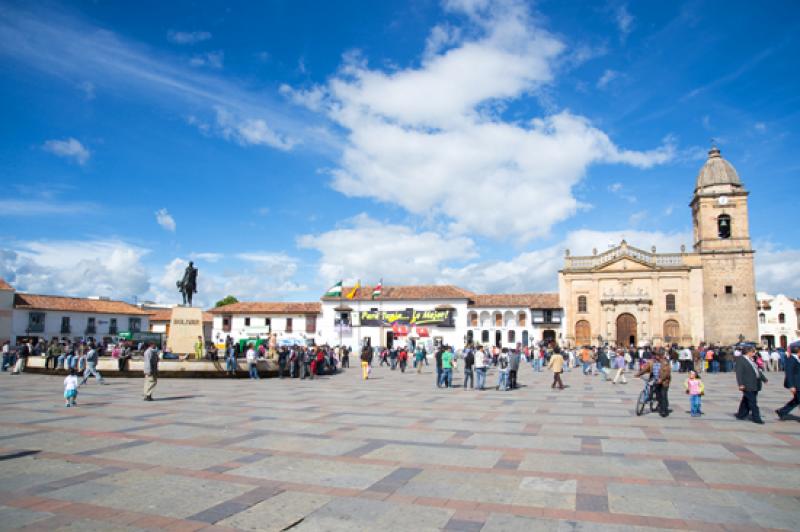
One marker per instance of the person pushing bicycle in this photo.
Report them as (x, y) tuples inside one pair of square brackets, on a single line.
[(660, 376)]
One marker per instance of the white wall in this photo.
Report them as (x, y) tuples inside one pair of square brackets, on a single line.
[(771, 325), (78, 322), (510, 322), (258, 328), (330, 333)]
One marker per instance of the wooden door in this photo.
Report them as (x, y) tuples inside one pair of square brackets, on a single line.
[(626, 330)]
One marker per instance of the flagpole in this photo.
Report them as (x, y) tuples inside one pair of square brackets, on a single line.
[(340, 314), (358, 311)]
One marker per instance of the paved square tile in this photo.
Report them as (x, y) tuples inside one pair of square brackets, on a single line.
[(390, 453)]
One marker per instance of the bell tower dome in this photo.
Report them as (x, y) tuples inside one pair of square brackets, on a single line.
[(722, 241)]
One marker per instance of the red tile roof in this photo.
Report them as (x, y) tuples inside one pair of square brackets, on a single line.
[(257, 307), (395, 293), (544, 301), (76, 304), (5, 286), (165, 314)]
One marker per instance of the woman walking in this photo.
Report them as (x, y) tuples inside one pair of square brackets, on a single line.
[(556, 364)]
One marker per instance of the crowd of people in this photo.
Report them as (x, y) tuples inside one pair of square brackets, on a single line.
[(751, 365), (657, 366)]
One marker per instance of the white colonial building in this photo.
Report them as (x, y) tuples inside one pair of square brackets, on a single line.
[(506, 320), (31, 317), (777, 320), (289, 322)]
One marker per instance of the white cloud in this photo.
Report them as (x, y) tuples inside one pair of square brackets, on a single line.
[(36, 207), (256, 280), (212, 59), (619, 190), (188, 37), (165, 220), (615, 187), (777, 270), (251, 131), (624, 21), (537, 270), (637, 218), (366, 249), (206, 256), (77, 268), (70, 148), (428, 138), (761, 127), (607, 77)]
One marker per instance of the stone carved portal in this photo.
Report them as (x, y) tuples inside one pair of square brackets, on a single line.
[(626, 330)]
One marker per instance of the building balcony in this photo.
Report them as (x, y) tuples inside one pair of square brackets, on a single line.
[(90, 330), (66, 330), (114, 330), (35, 328)]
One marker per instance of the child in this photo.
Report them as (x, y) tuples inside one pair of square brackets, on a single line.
[(694, 389), (71, 388)]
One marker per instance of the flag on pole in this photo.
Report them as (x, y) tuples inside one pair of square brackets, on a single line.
[(335, 290), (353, 292), (376, 292)]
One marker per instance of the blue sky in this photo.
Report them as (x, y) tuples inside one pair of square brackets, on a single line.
[(285, 145)]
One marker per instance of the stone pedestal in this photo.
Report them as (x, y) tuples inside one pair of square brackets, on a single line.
[(185, 326)]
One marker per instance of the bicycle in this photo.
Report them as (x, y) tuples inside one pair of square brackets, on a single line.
[(647, 395)]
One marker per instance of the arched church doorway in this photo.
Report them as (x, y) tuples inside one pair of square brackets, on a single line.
[(583, 333), (626, 330)]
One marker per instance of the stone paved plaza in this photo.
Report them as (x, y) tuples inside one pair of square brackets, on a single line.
[(393, 453)]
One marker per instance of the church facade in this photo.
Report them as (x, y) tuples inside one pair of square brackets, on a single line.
[(630, 296)]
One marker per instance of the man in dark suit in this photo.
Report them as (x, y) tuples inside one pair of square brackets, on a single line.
[(792, 382), (749, 379)]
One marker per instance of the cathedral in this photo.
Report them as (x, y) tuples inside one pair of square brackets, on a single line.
[(629, 296)]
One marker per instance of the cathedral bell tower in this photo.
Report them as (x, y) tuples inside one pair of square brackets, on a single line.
[(722, 240)]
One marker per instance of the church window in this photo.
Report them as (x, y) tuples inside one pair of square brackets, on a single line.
[(485, 336), (728, 289), (724, 226), (781, 318), (581, 303), (498, 320), (762, 318), (670, 302), (473, 319)]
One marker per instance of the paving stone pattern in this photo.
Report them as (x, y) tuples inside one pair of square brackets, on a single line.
[(391, 453)]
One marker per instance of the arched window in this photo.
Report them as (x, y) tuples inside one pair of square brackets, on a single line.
[(512, 337), (498, 320), (724, 226), (473, 319), (670, 302), (781, 318), (581, 303), (485, 337), (521, 319), (762, 318)]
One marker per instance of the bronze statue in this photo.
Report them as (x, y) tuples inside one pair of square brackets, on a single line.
[(188, 285)]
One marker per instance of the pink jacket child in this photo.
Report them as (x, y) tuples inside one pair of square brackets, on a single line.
[(695, 389)]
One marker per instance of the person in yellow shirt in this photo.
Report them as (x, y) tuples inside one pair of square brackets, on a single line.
[(198, 348), (556, 364)]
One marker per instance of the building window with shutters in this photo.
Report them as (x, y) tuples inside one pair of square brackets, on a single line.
[(498, 320), (581, 303), (311, 324), (670, 302), (781, 318), (512, 337), (288, 324), (134, 324), (65, 326)]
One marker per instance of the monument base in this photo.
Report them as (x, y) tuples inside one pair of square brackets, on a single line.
[(185, 325)]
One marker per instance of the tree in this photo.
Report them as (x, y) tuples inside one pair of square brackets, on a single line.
[(227, 300)]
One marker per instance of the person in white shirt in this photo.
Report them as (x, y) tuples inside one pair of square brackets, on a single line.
[(71, 389), (764, 354), (775, 360), (480, 367), (252, 362)]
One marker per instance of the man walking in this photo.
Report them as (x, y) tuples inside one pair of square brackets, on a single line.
[(480, 367), (469, 363), (150, 371), (91, 366), (556, 364), (514, 359), (791, 381), (447, 368), (750, 379)]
